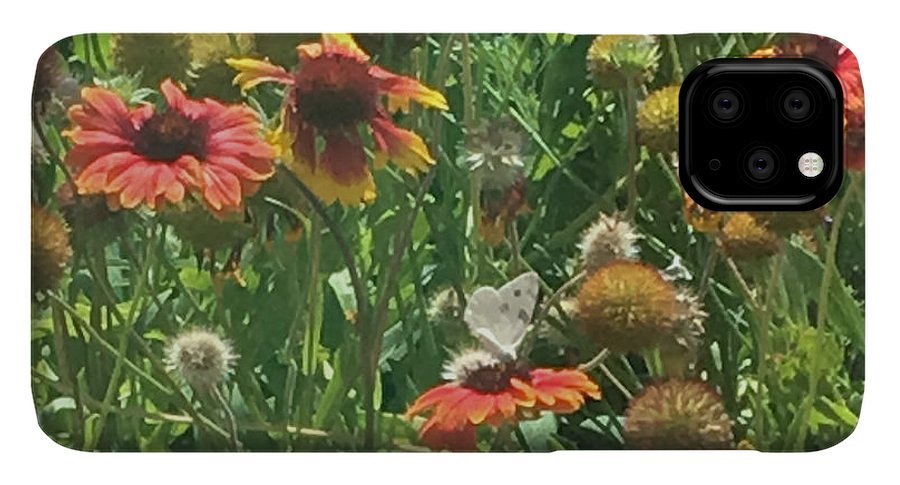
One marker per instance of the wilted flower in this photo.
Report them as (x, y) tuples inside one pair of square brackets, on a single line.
[(609, 238), (744, 236), (145, 155), (789, 222), (616, 59), (155, 56), (499, 208), (495, 157), (48, 77), (628, 306), (700, 218), (201, 358), (495, 152), (91, 220), (201, 230), (484, 389), (657, 120), (333, 92), (50, 250), (678, 414)]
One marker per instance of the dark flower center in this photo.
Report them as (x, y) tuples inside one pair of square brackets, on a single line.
[(334, 91), (167, 136), (496, 378)]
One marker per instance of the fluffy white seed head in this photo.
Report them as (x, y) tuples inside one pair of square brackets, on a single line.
[(201, 358)]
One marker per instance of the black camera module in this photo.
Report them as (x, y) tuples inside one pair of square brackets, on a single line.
[(797, 104), (725, 104), (761, 165), (746, 123)]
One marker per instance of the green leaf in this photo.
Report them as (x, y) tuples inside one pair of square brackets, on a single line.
[(539, 433)]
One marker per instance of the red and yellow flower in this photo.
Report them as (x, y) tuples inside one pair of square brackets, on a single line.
[(485, 390), (145, 155), (846, 67), (332, 93)]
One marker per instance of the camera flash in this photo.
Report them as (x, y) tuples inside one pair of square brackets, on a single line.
[(811, 164)]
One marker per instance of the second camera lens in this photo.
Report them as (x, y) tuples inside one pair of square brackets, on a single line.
[(725, 105), (797, 104)]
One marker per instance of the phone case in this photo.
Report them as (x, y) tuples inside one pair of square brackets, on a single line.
[(296, 242)]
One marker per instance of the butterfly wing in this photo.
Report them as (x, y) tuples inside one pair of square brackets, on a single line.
[(500, 318)]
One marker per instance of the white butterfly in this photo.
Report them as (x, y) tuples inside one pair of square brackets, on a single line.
[(500, 318)]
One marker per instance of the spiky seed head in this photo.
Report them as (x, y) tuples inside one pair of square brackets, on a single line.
[(614, 60), (50, 249), (608, 239), (627, 306), (678, 414), (745, 237), (657, 120)]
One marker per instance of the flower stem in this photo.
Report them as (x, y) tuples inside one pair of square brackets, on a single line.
[(229, 417), (828, 273), (143, 282), (677, 69), (313, 328), (631, 147)]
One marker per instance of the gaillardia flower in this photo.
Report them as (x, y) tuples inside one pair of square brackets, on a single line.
[(486, 390), (50, 250), (745, 236), (201, 358), (609, 238), (616, 60), (657, 120), (628, 306), (150, 156), (678, 415), (333, 91)]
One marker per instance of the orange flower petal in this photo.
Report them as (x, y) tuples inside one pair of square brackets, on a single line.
[(178, 101), (221, 188), (102, 110), (401, 89), (252, 72)]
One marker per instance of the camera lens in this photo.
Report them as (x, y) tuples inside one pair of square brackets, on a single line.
[(726, 105), (797, 104), (761, 165)]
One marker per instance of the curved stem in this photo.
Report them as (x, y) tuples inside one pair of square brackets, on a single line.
[(337, 233), (828, 273), (631, 146), (229, 415)]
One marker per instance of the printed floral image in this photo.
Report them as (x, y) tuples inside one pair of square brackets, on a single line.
[(423, 242)]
